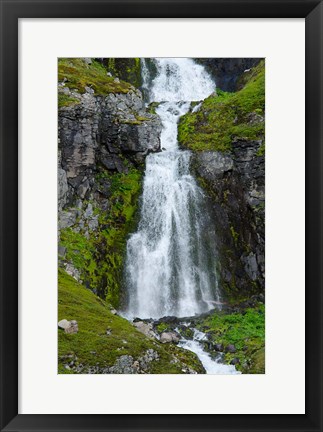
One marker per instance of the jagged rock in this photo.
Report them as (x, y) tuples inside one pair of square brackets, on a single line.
[(93, 223), (83, 188), (212, 165), (169, 337), (62, 188), (235, 182), (251, 265), (226, 71), (67, 218), (72, 271)]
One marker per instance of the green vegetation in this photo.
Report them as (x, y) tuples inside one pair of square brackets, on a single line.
[(66, 100), (127, 69), (103, 337), (77, 75), (152, 107), (246, 331), (235, 234), (261, 150), (227, 116), (99, 256)]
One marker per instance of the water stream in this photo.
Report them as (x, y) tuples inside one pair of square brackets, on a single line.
[(171, 259)]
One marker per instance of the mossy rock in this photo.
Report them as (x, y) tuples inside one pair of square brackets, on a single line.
[(99, 255), (78, 74), (127, 69)]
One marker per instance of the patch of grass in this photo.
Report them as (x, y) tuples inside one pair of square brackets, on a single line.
[(93, 346), (244, 330), (77, 75), (226, 116), (66, 100)]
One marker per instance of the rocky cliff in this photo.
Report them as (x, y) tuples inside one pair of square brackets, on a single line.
[(104, 134), (227, 71), (226, 136)]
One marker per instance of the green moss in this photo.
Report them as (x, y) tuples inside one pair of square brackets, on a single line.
[(66, 100), (226, 116), (161, 327), (244, 330), (235, 235), (78, 74), (152, 107), (94, 346), (261, 150), (100, 256), (127, 69)]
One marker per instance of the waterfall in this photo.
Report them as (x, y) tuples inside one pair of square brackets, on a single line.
[(171, 259)]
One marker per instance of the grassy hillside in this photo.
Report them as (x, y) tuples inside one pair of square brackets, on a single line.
[(103, 337)]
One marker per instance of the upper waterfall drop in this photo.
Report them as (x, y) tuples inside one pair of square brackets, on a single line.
[(171, 259)]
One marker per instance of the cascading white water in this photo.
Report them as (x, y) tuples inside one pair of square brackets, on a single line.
[(211, 366), (171, 261)]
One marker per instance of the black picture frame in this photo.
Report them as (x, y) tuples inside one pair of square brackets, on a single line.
[(11, 11)]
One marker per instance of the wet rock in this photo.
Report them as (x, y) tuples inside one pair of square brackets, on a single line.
[(219, 347), (62, 188), (230, 348), (212, 165), (235, 361)]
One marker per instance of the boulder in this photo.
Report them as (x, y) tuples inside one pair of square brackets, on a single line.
[(230, 348), (169, 337), (219, 347), (145, 328), (68, 326)]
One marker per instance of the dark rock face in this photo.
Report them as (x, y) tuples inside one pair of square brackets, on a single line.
[(227, 71), (236, 184), (108, 132)]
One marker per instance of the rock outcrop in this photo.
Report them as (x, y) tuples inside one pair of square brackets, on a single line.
[(227, 71), (226, 136), (113, 132), (104, 135), (236, 183)]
